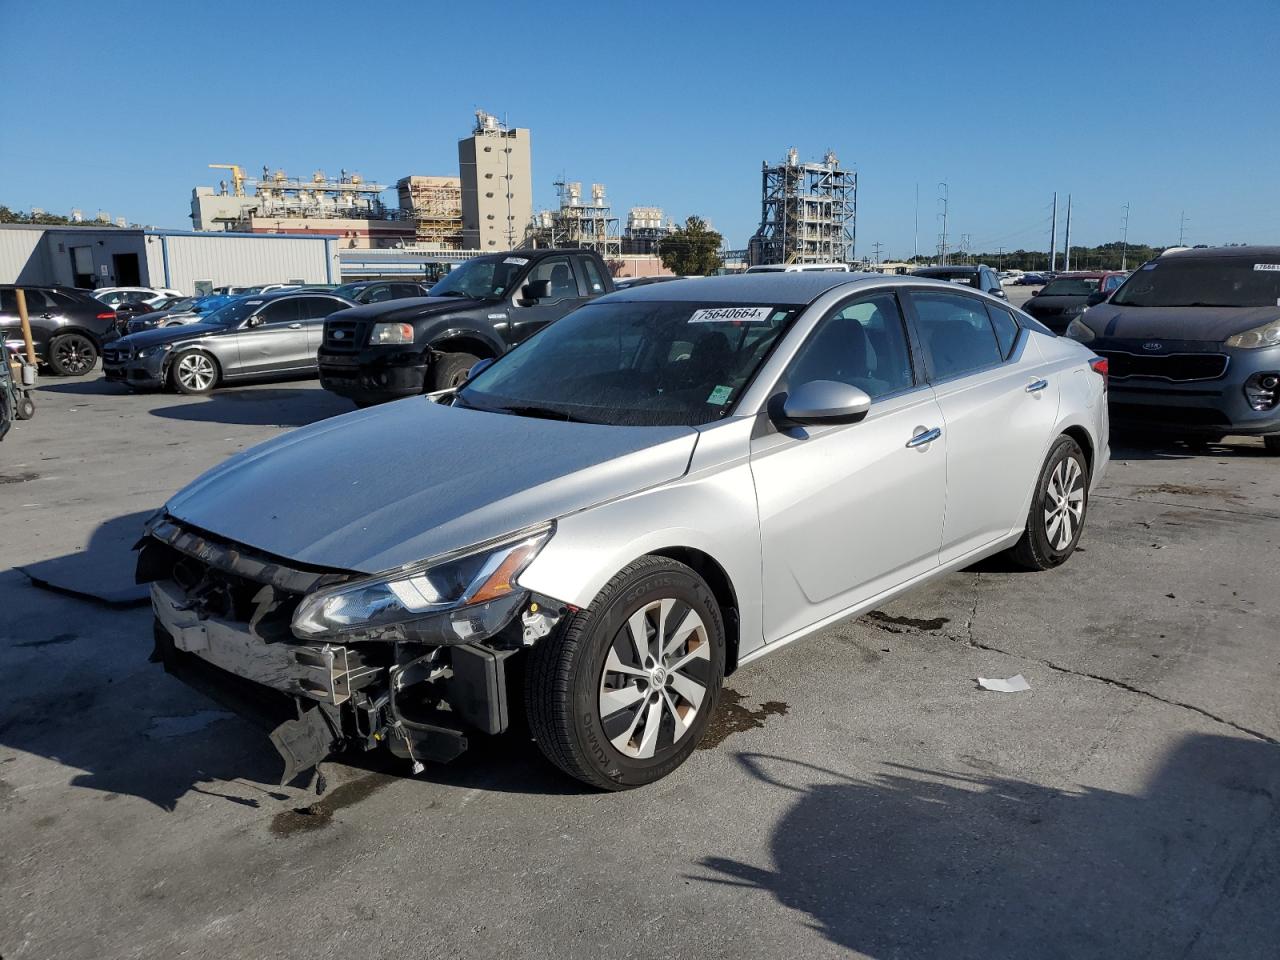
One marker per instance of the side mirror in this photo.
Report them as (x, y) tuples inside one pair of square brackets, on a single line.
[(1096, 298), (824, 401), (536, 290), (479, 367)]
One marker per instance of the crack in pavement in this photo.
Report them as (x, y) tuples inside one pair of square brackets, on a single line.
[(1111, 681), (1258, 514)]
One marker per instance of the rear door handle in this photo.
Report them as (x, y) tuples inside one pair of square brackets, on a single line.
[(1035, 386), (920, 439)]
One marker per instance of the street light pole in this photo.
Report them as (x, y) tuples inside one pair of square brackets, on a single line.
[(1124, 238)]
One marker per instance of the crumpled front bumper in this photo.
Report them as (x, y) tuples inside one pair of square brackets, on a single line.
[(136, 371)]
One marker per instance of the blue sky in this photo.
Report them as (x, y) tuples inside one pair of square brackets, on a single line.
[(1170, 106)]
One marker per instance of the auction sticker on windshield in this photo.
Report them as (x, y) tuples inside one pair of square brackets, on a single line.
[(518, 261), (731, 315)]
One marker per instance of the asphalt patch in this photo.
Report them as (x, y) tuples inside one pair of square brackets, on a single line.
[(51, 642), (18, 477), (318, 815), (732, 717), (1189, 490), (915, 623)]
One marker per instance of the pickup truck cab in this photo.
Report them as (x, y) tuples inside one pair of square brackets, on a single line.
[(479, 310)]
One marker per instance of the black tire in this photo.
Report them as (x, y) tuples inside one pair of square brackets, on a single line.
[(450, 370), (72, 355), (1272, 445), (565, 679), (1042, 546), (194, 372), (26, 408)]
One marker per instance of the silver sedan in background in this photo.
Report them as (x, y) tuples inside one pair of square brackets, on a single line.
[(659, 488), (269, 336)]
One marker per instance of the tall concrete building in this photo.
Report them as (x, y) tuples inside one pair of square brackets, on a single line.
[(497, 185)]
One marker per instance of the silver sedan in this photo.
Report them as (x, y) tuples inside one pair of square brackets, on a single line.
[(269, 336), (662, 487)]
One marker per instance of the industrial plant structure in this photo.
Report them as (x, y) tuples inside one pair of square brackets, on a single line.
[(590, 225), (497, 184), (808, 213), (645, 227), (434, 205)]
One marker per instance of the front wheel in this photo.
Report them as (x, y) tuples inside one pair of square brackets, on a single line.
[(1057, 511), (193, 373), (621, 694), (450, 370), (72, 355)]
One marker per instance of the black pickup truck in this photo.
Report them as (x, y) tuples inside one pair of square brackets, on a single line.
[(480, 309)]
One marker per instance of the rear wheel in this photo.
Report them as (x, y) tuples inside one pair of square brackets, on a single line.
[(621, 694), (193, 372), (450, 370), (1057, 511), (72, 355)]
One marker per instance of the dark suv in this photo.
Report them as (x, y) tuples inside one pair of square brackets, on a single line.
[(1193, 343), (980, 277), (479, 310), (68, 326)]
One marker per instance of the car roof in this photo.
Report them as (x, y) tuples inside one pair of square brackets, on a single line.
[(285, 294), (949, 268), (1207, 253), (768, 288)]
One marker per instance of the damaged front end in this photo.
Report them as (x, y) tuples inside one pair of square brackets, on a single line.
[(415, 659)]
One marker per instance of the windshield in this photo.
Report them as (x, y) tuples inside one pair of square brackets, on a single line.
[(484, 278), (635, 364), (349, 290), (1202, 282), (233, 314), (1070, 287)]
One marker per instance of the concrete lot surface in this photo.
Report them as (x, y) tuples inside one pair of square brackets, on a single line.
[(858, 795)]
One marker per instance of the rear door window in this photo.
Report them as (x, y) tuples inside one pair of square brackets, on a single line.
[(957, 333), (317, 308)]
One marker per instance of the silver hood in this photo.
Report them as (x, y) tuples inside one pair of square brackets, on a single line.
[(379, 488), (1213, 324)]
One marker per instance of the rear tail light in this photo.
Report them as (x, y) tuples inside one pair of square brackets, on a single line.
[(106, 316), (1102, 368)]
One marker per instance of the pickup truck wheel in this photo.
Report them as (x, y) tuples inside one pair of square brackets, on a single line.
[(193, 373), (72, 355), (621, 693), (450, 369)]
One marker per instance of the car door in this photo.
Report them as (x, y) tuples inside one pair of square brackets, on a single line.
[(273, 339), (312, 311), (527, 318), (998, 405), (848, 511)]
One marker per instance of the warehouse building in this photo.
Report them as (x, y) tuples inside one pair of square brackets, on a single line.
[(91, 257)]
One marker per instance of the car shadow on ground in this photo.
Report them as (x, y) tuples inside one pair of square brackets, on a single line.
[(103, 570), (276, 406), (82, 387), (1130, 447), (933, 864)]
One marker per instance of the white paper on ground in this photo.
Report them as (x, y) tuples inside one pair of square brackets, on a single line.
[(1012, 685)]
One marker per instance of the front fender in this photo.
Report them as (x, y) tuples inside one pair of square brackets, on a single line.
[(446, 328)]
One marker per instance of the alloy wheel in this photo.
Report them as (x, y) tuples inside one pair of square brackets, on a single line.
[(1064, 503), (655, 678), (75, 355), (196, 372)]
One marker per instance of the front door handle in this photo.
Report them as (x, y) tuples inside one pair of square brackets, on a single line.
[(1035, 386), (295, 326), (928, 436)]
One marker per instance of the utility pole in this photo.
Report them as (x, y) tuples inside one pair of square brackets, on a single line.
[(877, 245), (945, 199), (1182, 229), (1000, 258), (915, 230), (1124, 236), (1053, 236), (1066, 246)]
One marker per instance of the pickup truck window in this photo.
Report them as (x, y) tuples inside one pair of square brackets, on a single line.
[(592, 273), (484, 278), (557, 270)]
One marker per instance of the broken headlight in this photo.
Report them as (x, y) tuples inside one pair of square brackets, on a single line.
[(455, 598)]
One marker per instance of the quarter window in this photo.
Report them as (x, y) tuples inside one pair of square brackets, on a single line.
[(863, 345), (594, 283), (957, 334), (1006, 328)]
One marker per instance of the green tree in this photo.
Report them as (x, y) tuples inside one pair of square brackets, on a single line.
[(691, 250)]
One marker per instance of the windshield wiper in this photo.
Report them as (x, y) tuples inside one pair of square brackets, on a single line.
[(545, 413)]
